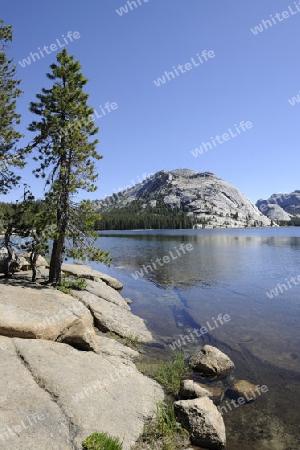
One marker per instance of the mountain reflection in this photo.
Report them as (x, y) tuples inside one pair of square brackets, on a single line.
[(215, 258)]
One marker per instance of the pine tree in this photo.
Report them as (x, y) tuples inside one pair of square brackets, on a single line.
[(67, 157), (10, 157)]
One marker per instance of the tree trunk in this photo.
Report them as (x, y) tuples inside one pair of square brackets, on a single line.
[(57, 257), (10, 252), (58, 250), (33, 259)]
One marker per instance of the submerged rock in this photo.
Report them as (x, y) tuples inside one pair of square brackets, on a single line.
[(210, 361), (189, 390), (201, 418), (246, 390)]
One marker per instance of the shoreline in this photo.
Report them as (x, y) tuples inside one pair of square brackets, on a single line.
[(76, 329)]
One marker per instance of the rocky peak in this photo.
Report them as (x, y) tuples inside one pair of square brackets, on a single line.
[(281, 206), (213, 202)]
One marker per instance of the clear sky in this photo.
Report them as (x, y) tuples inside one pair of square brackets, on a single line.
[(248, 77)]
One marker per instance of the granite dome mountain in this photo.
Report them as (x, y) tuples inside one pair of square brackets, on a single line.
[(202, 198), (282, 207)]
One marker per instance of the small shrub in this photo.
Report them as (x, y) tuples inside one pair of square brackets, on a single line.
[(132, 340), (163, 432), (168, 374), (67, 284), (101, 441)]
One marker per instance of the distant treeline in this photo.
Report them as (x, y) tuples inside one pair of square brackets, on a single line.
[(294, 222), (137, 216)]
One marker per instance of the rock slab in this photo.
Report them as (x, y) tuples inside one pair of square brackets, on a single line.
[(102, 290), (111, 317), (78, 393), (45, 313), (88, 272)]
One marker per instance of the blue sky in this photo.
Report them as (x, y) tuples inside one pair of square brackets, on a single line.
[(250, 78)]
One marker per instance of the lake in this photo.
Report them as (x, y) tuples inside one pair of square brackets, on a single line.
[(182, 280)]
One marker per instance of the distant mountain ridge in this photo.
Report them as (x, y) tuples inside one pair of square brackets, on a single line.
[(207, 200), (281, 206)]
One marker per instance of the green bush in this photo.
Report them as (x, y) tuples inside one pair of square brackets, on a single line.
[(163, 432), (101, 441), (168, 374), (67, 284)]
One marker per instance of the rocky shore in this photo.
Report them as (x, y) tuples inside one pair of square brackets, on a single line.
[(68, 372), (62, 377)]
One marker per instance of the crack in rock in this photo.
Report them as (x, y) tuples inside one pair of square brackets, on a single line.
[(73, 428)]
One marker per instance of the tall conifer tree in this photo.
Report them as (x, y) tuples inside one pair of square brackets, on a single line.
[(10, 157), (66, 156)]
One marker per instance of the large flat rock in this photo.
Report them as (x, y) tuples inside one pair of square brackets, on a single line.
[(29, 418), (44, 313), (83, 271), (111, 317), (100, 289), (78, 393), (108, 346)]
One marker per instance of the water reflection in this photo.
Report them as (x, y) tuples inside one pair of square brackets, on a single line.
[(227, 272), (215, 258)]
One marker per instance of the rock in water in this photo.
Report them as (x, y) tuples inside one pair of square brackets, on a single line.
[(203, 421), (244, 389), (211, 362), (189, 389)]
